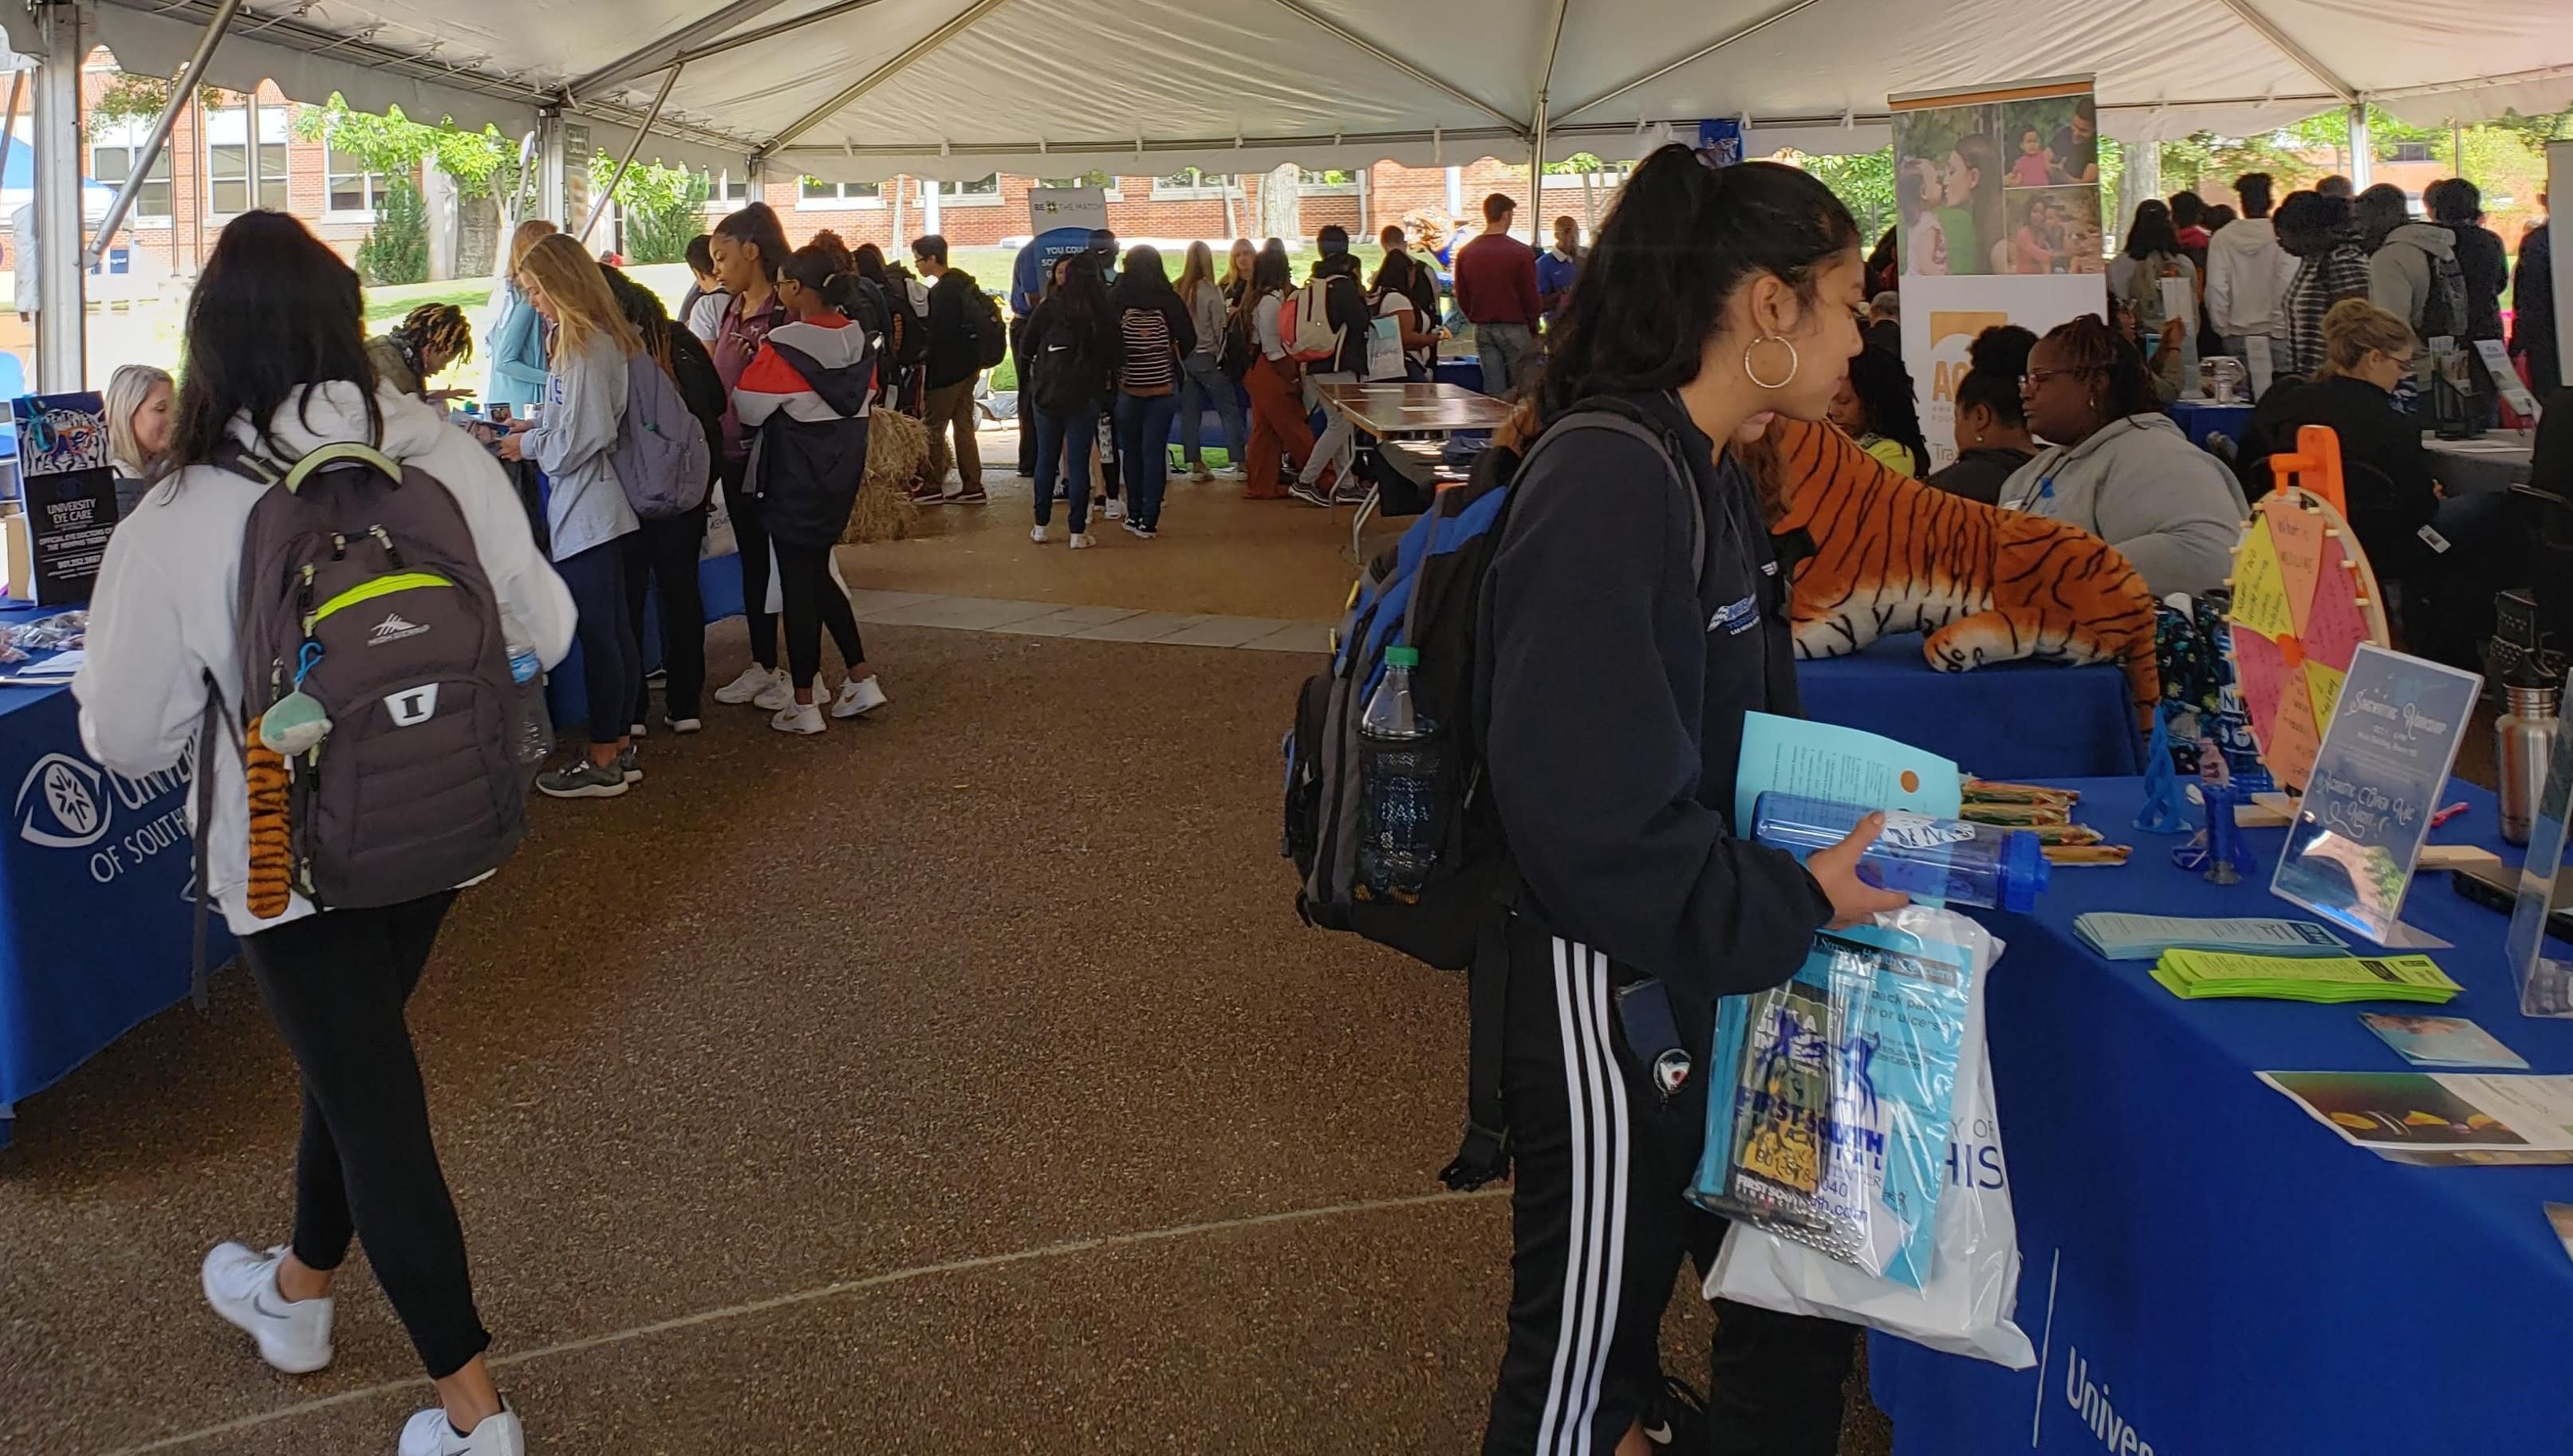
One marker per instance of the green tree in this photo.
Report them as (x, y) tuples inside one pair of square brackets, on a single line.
[(1865, 184), (483, 163), (397, 250), (662, 207)]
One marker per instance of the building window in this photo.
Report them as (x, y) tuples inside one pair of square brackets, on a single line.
[(1309, 180), (819, 196), (246, 158), (1087, 179), (111, 160), (1190, 183), (977, 193), (354, 189), (2411, 152), (727, 193)]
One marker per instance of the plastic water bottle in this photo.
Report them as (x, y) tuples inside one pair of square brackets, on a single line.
[(532, 730), (1400, 783), (1949, 859)]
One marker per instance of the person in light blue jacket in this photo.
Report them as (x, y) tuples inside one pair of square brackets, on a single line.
[(516, 343), (586, 513)]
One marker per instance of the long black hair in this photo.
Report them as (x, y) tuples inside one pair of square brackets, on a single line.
[(2152, 231), (274, 310), (1271, 272), (1144, 281), (1079, 297), (1681, 239), (643, 309), (1998, 361), (1884, 390), (816, 269), (757, 225), (871, 265)]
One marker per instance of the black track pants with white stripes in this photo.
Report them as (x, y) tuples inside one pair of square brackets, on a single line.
[(1601, 1229)]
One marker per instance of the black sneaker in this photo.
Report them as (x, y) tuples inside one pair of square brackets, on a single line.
[(1674, 1417), (581, 779), (1307, 494)]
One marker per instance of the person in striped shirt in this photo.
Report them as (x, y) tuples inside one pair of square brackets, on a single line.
[(1158, 334)]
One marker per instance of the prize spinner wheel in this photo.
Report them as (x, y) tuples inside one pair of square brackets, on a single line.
[(2304, 599)]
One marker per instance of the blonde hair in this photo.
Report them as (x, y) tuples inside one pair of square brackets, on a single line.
[(526, 237), (127, 390), (1233, 272), (583, 307), (1196, 272), (2354, 328)]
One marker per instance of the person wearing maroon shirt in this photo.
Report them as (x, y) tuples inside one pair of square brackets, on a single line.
[(1496, 291)]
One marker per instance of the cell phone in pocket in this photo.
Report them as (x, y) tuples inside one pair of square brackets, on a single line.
[(1653, 1034)]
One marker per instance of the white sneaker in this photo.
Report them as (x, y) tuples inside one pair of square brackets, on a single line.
[(242, 1287), (428, 1434), (798, 717), (1114, 509), (746, 688), (780, 693), (638, 730), (1233, 472), (858, 696), (1037, 535), (685, 725), (1080, 541)]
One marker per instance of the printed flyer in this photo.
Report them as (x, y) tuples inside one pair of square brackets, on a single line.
[(2439, 1117)]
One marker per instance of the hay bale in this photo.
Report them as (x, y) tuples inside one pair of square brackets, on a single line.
[(897, 450)]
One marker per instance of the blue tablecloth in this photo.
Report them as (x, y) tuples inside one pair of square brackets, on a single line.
[(2012, 720), (2201, 418), (95, 893), (2206, 1260)]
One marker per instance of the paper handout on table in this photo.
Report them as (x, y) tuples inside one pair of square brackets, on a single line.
[(2440, 1117), (1841, 765), (2197, 975), (2440, 1041), (2120, 937), (61, 664)]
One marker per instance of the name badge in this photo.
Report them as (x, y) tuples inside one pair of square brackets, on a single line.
[(1737, 617)]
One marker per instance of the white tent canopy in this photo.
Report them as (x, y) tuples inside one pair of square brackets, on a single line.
[(957, 89)]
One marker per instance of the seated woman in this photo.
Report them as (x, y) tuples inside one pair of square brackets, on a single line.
[(1992, 428), (138, 431), (1875, 408), (2449, 573), (2119, 468), (421, 347)]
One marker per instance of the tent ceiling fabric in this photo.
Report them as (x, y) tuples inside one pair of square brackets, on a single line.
[(1054, 87)]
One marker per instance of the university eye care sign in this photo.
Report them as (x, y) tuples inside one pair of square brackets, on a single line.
[(70, 497)]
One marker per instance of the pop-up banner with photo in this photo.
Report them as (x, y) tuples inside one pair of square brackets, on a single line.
[(1997, 191)]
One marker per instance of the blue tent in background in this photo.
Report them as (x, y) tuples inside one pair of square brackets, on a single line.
[(18, 181)]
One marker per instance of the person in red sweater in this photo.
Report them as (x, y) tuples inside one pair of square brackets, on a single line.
[(1496, 291)]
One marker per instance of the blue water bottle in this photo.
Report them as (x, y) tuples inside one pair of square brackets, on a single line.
[(1947, 858)]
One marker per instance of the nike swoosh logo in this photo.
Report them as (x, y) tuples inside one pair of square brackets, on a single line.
[(1659, 1435), (259, 1303)]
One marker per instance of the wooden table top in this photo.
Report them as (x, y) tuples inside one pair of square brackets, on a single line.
[(1406, 408)]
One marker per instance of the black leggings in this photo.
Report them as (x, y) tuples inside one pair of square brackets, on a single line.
[(815, 602), (752, 536), (665, 554), (335, 984), (612, 661)]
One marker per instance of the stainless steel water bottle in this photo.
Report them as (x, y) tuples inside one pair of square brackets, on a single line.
[(2522, 740)]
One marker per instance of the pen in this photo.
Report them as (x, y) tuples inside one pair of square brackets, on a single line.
[(2444, 815)]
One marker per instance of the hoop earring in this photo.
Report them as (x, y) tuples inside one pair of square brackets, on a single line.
[(1793, 363)]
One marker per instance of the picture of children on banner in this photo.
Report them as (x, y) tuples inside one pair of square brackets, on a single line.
[(1948, 191)]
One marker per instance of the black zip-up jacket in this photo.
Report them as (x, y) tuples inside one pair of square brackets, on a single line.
[(951, 329), (1617, 693)]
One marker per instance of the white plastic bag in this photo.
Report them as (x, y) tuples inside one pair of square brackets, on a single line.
[(1965, 1306)]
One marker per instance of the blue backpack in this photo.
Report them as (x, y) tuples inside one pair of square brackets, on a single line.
[(1428, 592)]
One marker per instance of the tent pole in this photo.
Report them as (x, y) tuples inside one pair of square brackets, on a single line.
[(1536, 175), (2362, 152), (179, 92), (600, 209), (62, 313)]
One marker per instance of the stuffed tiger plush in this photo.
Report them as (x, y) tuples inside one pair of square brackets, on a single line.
[(1871, 552)]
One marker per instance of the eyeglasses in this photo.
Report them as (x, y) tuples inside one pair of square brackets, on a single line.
[(2036, 378)]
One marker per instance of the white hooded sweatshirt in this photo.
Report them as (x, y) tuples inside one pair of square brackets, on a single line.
[(163, 614), (2171, 510)]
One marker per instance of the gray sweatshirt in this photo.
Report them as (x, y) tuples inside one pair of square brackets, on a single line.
[(2171, 509), (2399, 273), (584, 403), (1207, 312)]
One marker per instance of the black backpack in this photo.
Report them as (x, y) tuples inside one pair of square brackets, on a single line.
[(1241, 346), (989, 331), (1428, 592)]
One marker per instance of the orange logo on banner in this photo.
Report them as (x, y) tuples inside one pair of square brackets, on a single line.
[(1946, 323)]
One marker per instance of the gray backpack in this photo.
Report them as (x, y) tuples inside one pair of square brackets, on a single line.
[(660, 455), (360, 587)]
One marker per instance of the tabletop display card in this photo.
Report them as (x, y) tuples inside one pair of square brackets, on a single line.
[(2376, 780), (2545, 983), (70, 495)]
